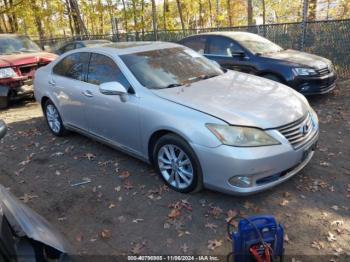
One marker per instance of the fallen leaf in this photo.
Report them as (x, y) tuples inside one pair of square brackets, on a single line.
[(213, 244), (335, 207), (331, 237), (79, 238), (89, 156), (27, 197), (337, 223), (137, 220), (231, 214), (111, 206), (124, 174), (211, 226), (106, 234), (284, 202), (174, 213)]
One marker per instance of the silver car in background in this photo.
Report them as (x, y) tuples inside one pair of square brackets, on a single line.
[(198, 124)]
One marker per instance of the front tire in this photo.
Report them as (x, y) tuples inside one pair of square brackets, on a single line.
[(53, 119), (177, 164)]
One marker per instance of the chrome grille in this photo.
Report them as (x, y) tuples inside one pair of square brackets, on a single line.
[(323, 71), (299, 132)]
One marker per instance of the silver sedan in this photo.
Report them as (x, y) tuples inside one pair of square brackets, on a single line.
[(198, 124)]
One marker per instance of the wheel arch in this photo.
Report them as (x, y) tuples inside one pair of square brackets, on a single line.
[(156, 135), (279, 76)]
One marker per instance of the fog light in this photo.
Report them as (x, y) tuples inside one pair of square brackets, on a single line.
[(241, 181)]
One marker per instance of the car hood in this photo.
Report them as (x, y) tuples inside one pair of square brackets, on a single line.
[(26, 58), (299, 58), (241, 99)]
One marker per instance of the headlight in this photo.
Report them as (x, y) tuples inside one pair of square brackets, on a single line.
[(7, 72), (241, 136), (304, 71)]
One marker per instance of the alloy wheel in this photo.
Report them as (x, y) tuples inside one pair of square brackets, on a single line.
[(53, 118), (175, 166)]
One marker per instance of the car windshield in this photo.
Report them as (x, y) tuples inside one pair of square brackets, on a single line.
[(170, 67), (257, 44), (18, 44)]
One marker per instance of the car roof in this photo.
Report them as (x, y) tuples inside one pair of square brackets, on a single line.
[(230, 34), (122, 48)]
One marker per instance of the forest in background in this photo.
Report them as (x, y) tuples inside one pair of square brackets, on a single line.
[(52, 18)]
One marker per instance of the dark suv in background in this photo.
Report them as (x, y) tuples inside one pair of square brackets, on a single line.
[(309, 74)]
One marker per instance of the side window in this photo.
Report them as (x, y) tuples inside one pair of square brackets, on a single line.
[(196, 43), (222, 46), (103, 69), (78, 45), (68, 47), (72, 66)]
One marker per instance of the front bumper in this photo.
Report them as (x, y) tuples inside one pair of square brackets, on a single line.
[(314, 85), (267, 166), (24, 90)]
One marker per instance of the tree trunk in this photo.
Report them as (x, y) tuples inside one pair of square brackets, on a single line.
[(125, 17), (229, 12), (264, 12), (78, 22), (200, 13), (37, 21), (154, 19), (217, 6), (210, 14), (179, 8), (165, 8), (134, 11), (70, 18), (14, 23), (250, 12), (312, 10), (143, 19)]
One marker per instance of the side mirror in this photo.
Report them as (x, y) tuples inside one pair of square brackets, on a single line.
[(113, 88), (238, 53), (3, 129)]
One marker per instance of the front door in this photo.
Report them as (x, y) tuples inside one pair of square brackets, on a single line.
[(226, 52), (110, 116)]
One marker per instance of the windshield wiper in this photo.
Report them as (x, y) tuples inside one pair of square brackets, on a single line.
[(208, 76), (172, 85)]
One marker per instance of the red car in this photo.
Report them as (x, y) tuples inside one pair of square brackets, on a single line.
[(19, 58)]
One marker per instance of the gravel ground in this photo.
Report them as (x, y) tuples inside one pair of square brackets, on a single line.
[(126, 209)]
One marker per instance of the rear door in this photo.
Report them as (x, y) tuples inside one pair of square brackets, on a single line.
[(222, 49), (67, 82), (109, 116)]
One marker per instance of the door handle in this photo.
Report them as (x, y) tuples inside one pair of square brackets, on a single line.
[(52, 82), (87, 93)]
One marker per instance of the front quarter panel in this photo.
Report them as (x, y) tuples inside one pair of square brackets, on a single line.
[(158, 114)]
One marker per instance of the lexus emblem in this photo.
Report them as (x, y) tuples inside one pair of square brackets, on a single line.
[(305, 129)]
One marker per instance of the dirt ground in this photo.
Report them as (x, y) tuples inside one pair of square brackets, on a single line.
[(126, 209)]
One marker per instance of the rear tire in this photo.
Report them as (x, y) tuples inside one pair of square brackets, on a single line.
[(177, 164), (4, 102), (54, 120)]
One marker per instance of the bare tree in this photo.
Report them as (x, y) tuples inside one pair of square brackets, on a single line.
[(179, 8), (250, 12), (229, 12), (78, 22), (154, 19), (264, 11), (210, 14), (38, 22), (125, 17)]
